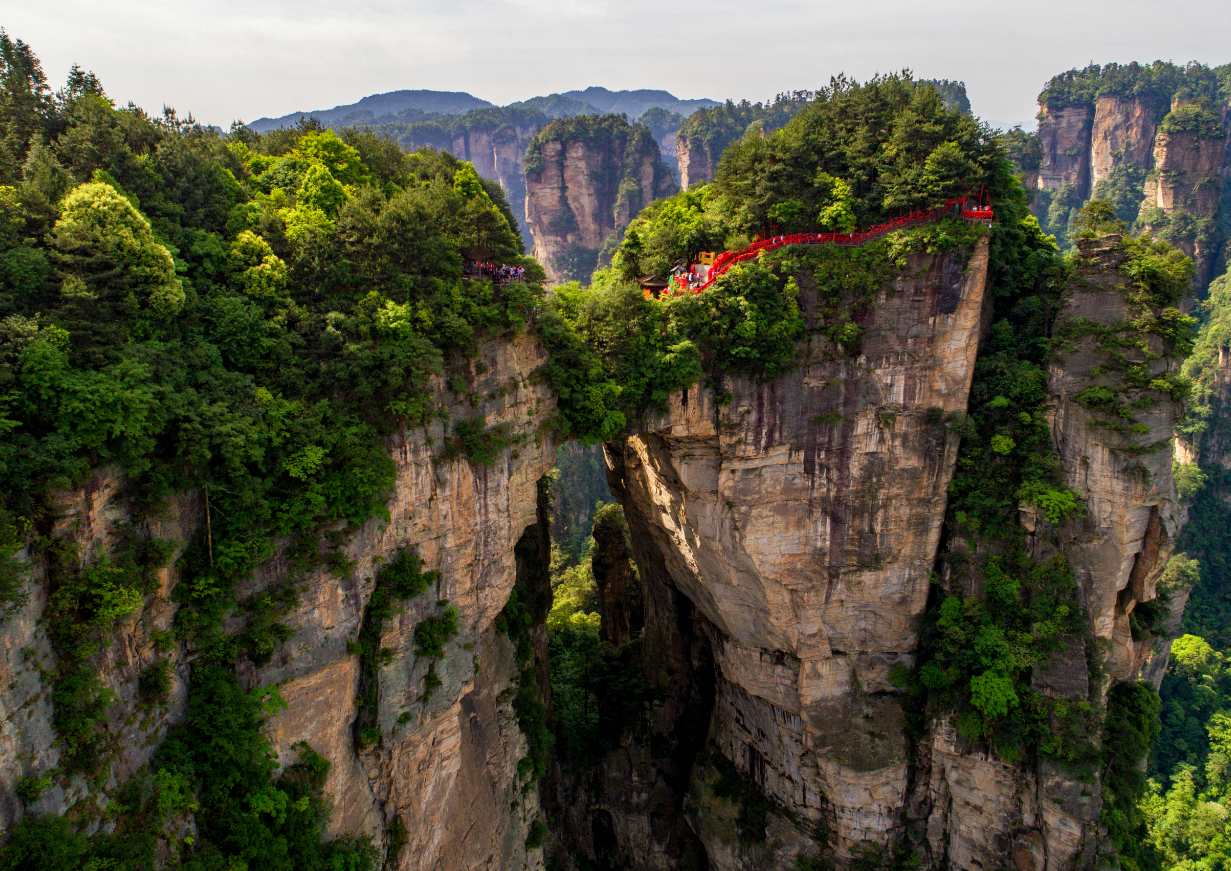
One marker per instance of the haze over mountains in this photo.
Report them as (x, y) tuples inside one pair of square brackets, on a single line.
[(411, 104)]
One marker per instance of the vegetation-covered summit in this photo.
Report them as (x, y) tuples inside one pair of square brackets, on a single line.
[(852, 155), (1160, 82)]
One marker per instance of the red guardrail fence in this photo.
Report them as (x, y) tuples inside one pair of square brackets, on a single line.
[(727, 259)]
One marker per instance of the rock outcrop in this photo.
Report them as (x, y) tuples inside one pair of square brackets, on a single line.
[(1122, 135), (695, 164), (1157, 166), (784, 540), (1065, 135), (1191, 166), (586, 178), (446, 764)]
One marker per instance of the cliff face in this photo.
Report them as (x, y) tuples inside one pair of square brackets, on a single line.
[(586, 180), (446, 767), (1189, 180), (1132, 512), (694, 160), (784, 541), (1158, 167), (1122, 134), (785, 535), (1065, 135), (89, 518)]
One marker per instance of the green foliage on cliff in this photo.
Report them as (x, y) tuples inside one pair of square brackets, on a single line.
[(1129, 729), (1002, 617), (254, 312), (1024, 149), (1187, 806), (1159, 82), (217, 768), (614, 353), (1196, 118), (871, 151), (241, 319), (855, 153)]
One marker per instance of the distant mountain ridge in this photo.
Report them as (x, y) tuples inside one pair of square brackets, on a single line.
[(380, 105), (409, 105)]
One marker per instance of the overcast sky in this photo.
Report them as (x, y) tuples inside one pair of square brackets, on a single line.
[(244, 59)]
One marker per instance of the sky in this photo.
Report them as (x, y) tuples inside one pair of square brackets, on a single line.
[(226, 60)]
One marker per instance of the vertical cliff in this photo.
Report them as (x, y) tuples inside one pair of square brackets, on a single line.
[(423, 750), (694, 161), (1122, 135), (1152, 141), (1184, 195), (792, 544), (784, 539), (586, 178)]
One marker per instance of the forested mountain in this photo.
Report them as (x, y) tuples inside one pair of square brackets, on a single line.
[(890, 576), (705, 135)]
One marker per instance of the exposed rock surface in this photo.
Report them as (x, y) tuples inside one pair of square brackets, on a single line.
[(1122, 134), (90, 518), (447, 767), (585, 191), (696, 167), (1190, 179), (1065, 135), (787, 535)]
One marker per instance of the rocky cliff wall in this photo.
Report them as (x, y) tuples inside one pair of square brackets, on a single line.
[(583, 188), (1122, 133), (447, 766), (1169, 177), (1065, 135), (1190, 174), (695, 164), (785, 538)]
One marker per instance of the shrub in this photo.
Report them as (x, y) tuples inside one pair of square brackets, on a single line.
[(434, 632)]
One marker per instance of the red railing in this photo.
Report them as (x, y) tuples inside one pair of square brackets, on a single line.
[(727, 259)]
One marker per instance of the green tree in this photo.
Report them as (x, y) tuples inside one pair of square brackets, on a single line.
[(111, 257)]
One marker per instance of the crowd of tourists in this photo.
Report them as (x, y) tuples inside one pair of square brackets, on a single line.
[(497, 273)]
